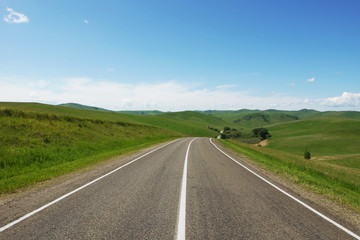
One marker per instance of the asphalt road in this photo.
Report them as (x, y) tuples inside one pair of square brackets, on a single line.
[(143, 199)]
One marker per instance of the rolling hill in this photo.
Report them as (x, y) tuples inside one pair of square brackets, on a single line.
[(196, 123), (80, 106), (335, 140), (256, 118)]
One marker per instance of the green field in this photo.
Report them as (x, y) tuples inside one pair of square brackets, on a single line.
[(333, 170), (327, 139)]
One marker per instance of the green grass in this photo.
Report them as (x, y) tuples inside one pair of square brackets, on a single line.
[(187, 123), (352, 161), (322, 137), (339, 184), (39, 146), (246, 118)]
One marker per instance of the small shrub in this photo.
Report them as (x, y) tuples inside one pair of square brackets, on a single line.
[(307, 154)]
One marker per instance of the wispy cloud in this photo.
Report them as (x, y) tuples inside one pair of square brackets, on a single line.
[(165, 96), (110, 70), (249, 74), (292, 84), (228, 86), (86, 21), (347, 99), (15, 17), (311, 79)]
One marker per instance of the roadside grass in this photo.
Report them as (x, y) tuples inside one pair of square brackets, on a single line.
[(37, 146), (335, 181)]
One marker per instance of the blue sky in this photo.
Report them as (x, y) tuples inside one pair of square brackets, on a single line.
[(182, 55)]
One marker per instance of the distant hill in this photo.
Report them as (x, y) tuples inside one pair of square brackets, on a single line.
[(80, 106), (187, 122), (262, 119), (85, 107), (155, 112), (255, 118)]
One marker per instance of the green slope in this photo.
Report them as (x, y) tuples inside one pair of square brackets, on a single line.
[(36, 146), (196, 124), (256, 118), (322, 137)]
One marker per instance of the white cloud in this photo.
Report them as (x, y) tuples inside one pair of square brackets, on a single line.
[(292, 84), (228, 86), (15, 17), (86, 21), (249, 74), (165, 96), (311, 79), (347, 99), (110, 70)]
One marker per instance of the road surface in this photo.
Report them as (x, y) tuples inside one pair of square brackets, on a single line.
[(186, 189)]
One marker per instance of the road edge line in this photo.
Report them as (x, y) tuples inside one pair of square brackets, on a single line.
[(290, 196), (9, 225), (181, 226)]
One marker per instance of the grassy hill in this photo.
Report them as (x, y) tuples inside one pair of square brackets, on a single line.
[(155, 112), (334, 140), (256, 118), (35, 146), (80, 106), (85, 107), (196, 123)]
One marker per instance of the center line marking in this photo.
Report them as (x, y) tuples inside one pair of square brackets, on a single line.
[(180, 235)]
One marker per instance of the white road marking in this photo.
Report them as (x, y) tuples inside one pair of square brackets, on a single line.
[(294, 198), (78, 189), (181, 227)]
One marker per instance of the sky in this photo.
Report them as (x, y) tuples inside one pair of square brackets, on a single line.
[(182, 55)]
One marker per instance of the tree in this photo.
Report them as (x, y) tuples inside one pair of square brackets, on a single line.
[(263, 133), (223, 136), (227, 129)]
